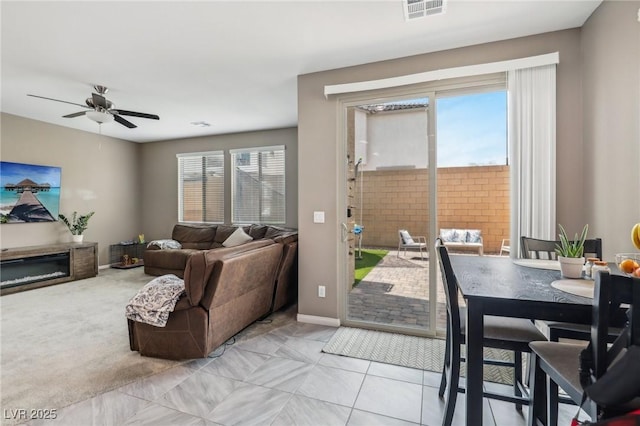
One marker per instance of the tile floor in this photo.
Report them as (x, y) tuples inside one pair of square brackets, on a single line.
[(281, 377)]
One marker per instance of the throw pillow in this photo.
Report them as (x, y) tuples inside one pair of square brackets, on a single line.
[(449, 235), (473, 236), (406, 237), (238, 237)]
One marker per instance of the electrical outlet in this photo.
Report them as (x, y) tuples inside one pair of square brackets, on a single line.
[(321, 291)]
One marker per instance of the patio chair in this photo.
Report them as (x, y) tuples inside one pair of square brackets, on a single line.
[(560, 362), (406, 241), (512, 334), (505, 247)]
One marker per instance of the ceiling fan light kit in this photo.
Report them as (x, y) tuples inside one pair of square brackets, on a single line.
[(102, 110), (99, 116)]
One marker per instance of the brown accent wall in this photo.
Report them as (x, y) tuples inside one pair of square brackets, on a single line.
[(468, 198)]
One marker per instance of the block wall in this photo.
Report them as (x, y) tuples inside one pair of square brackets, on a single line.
[(468, 197)]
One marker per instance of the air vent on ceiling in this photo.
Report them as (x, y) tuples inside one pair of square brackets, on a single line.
[(420, 8)]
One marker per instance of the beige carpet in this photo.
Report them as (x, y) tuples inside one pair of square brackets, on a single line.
[(408, 351), (65, 343)]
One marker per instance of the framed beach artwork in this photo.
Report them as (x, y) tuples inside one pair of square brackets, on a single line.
[(30, 193)]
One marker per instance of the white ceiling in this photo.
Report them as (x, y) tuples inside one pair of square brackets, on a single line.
[(230, 63)]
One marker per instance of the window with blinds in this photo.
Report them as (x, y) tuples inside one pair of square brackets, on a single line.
[(258, 185), (201, 187)]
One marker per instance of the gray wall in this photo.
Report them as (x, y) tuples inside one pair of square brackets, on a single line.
[(99, 174), (611, 152), (159, 173), (320, 156)]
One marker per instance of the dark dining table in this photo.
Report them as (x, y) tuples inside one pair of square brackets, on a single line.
[(498, 286)]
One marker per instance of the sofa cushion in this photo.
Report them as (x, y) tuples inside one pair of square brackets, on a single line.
[(287, 238), (276, 231), (194, 237), (257, 232), (169, 260), (222, 233), (238, 237)]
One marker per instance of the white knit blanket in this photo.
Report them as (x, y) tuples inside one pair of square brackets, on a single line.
[(156, 300)]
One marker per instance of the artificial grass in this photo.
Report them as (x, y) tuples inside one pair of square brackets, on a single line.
[(370, 258)]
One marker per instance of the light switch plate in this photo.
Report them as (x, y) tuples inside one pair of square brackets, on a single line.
[(318, 217)]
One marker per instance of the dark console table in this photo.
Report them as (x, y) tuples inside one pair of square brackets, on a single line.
[(26, 268)]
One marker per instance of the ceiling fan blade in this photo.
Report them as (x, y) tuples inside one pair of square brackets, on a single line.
[(135, 114), (58, 100), (124, 122), (75, 114), (99, 100)]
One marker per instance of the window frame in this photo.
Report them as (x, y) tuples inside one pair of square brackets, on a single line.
[(200, 155), (259, 217)]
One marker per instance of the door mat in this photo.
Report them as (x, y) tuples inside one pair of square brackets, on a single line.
[(422, 353)]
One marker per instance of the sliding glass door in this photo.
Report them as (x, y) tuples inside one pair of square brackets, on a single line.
[(414, 164), (387, 181)]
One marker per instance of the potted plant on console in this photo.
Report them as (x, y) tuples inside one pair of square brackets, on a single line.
[(570, 253), (77, 225)]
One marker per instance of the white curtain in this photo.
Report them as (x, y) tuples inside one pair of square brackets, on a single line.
[(532, 153)]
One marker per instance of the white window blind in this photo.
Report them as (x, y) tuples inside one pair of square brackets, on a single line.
[(201, 187), (258, 185)]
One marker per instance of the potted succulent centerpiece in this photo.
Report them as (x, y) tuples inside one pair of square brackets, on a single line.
[(77, 224), (570, 253)]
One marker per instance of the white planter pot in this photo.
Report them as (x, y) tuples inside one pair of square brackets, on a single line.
[(77, 238), (571, 267)]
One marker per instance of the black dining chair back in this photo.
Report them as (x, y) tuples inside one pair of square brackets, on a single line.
[(533, 248), (560, 361), (512, 334)]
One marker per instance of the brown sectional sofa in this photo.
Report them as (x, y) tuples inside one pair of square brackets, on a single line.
[(194, 238), (226, 288)]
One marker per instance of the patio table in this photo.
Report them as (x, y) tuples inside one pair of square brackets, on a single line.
[(498, 286)]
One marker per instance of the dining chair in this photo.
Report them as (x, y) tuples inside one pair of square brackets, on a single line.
[(512, 334), (533, 248), (559, 362)]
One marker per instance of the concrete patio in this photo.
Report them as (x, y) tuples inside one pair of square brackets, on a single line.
[(396, 292)]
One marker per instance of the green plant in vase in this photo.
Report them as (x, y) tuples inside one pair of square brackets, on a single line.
[(570, 253), (77, 224)]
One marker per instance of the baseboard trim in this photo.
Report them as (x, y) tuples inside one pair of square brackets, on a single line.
[(312, 319)]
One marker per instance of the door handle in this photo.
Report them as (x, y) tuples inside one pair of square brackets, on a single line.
[(344, 231)]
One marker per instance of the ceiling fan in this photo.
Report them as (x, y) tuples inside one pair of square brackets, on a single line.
[(102, 110)]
